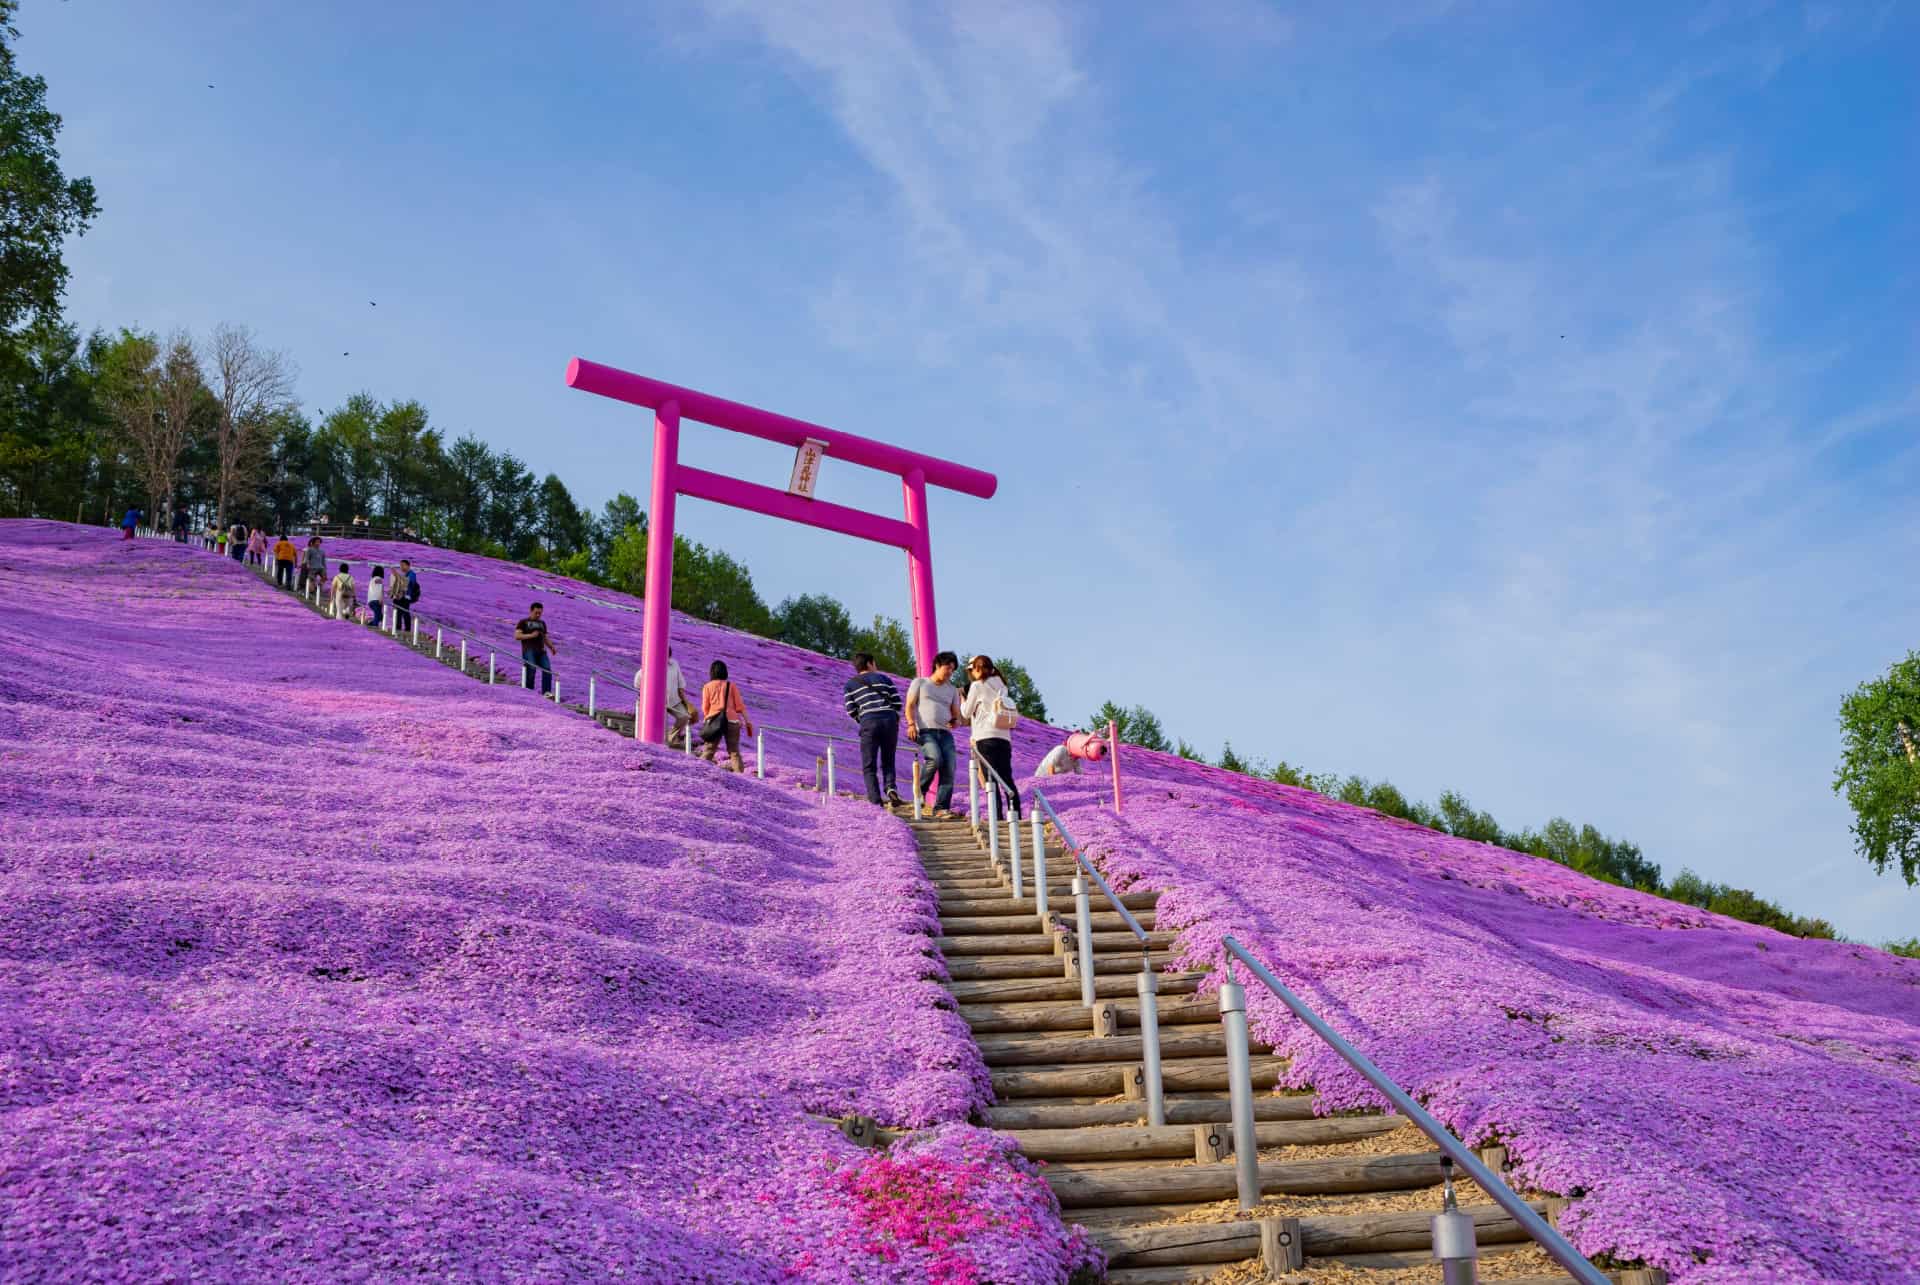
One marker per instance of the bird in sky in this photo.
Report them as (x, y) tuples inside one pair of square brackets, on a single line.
[(372, 304), (346, 354)]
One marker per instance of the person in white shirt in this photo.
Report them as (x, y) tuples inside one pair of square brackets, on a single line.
[(376, 593), (679, 705), (985, 707)]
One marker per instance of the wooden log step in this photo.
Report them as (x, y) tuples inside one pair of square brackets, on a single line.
[(997, 944), (1078, 1187), (1059, 1115), (1177, 1141), (1106, 1081), (1127, 941), (1054, 987), (1174, 1010), (1165, 1275), (1005, 905), (1321, 1235), (966, 925), (1041, 1049), (973, 968)]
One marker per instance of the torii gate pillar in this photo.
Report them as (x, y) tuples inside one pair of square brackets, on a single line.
[(671, 479)]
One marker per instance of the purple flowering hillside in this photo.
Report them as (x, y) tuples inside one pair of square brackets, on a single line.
[(319, 961), (599, 628), (1721, 1100)]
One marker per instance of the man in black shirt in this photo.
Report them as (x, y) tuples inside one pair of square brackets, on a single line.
[(531, 634), (874, 703)]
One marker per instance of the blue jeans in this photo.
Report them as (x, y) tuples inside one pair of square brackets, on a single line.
[(937, 752), (531, 660), (878, 736)]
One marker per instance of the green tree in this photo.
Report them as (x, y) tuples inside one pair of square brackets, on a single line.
[(407, 459), (563, 527), (817, 622), (619, 513), (1022, 690), (1879, 772), (512, 502), (51, 421), (467, 473), (627, 561), (1458, 818), (39, 205), (890, 644), (1230, 761), (1136, 726), (1188, 752), (709, 584)]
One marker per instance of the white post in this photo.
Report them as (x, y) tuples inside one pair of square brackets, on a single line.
[(1150, 1044), (760, 755), (829, 769), (556, 689), (1039, 870), (918, 792), (686, 738), (1013, 846), (489, 669), (438, 639), (1083, 929), (463, 655), (1246, 1154), (416, 632), (993, 829), (973, 790), (590, 694)]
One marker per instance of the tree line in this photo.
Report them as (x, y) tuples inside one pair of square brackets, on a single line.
[(1583, 848)]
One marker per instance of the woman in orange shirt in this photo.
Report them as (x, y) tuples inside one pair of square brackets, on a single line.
[(722, 715)]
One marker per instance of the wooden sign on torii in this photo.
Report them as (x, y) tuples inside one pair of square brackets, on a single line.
[(670, 404)]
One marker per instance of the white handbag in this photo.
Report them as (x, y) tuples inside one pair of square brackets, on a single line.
[(1005, 716)]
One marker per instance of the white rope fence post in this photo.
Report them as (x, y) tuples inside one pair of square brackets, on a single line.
[(590, 695), (1013, 844), (993, 828), (918, 792), (1039, 868), (973, 791), (760, 755), (463, 655), (489, 669), (830, 790)]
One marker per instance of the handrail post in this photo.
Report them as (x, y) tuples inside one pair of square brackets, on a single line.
[(1013, 846), (556, 689), (830, 789), (591, 693), (415, 621), (919, 793), (1246, 1151), (1083, 929), (1145, 986), (489, 668), (463, 655), (993, 830), (973, 790), (439, 640), (1453, 1243), (686, 740), (759, 753), (1039, 869)]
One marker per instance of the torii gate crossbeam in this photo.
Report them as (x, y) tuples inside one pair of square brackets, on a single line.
[(671, 403)]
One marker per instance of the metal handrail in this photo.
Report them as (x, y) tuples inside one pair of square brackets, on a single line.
[(1522, 1213), (1079, 856), (801, 731)]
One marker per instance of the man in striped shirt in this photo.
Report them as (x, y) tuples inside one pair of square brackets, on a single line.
[(874, 703)]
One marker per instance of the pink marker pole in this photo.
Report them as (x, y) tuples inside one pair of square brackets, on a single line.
[(659, 605), (1113, 752), (926, 630)]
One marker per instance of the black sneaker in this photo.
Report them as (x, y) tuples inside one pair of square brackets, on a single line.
[(894, 800)]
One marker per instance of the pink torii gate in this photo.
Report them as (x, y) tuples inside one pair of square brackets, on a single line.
[(671, 403)]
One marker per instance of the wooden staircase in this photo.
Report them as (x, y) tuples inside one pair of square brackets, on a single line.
[(1345, 1198)]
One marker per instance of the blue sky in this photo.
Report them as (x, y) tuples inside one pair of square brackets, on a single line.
[(1518, 399)]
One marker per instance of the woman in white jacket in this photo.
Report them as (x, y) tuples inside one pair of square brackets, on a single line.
[(986, 707)]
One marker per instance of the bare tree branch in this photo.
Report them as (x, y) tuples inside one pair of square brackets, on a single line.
[(250, 384)]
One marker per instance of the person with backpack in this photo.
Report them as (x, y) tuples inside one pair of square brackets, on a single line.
[(873, 702), (128, 523), (722, 715), (406, 592), (531, 634), (992, 717), (344, 599), (933, 703)]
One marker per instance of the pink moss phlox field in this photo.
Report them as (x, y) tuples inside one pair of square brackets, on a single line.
[(319, 961), (1724, 1101)]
